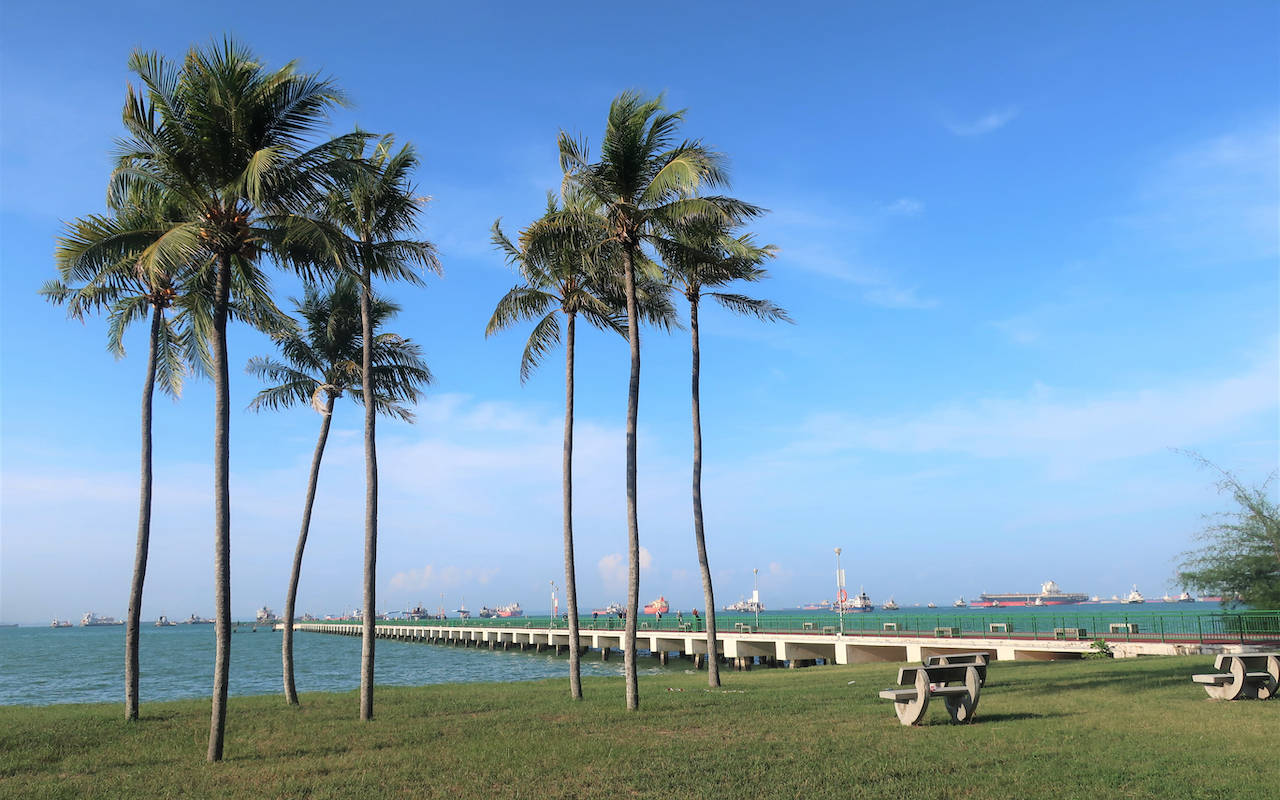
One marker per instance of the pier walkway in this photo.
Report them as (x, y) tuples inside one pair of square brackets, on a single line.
[(804, 641)]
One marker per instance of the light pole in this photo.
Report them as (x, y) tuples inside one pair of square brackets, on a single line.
[(555, 603), (841, 594), (442, 605), (755, 596)]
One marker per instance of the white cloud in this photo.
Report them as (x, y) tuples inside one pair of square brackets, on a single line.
[(1220, 196), (987, 124), (430, 577), (614, 568), (905, 206), (1066, 429)]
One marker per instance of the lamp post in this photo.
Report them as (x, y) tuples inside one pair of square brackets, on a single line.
[(841, 596), (442, 605), (555, 603), (755, 596)]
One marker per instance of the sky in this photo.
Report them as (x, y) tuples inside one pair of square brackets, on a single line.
[(1030, 253)]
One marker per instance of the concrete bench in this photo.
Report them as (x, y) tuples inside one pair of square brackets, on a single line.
[(1124, 627), (1247, 675), (946, 633), (1070, 633), (959, 686), (954, 659), (890, 626), (997, 627)]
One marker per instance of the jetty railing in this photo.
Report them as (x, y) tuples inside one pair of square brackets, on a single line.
[(1225, 627)]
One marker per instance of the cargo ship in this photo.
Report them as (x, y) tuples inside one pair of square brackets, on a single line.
[(611, 610), (860, 604), (513, 610), (1049, 595), (659, 606), (825, 605), (91, 620)]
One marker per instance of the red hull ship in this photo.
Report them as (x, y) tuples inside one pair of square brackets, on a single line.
[(1049, 595), (659, 606)]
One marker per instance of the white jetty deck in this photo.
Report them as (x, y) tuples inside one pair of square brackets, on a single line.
[(745, 647)]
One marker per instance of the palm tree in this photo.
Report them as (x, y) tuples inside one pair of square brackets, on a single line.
[(225, 141), (98, 259), (644, 186), (707, 257), (558, 279), (363, 219), (321, 364)]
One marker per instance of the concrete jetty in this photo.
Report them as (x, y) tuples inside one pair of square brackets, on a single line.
[(745, 647)]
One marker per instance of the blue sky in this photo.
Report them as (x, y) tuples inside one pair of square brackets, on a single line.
[(1028, 252)]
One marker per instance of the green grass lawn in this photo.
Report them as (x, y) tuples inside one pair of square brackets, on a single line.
[(1113, 729)]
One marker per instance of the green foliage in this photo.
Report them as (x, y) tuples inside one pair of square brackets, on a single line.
[(322, 357), (1043, 730), (1241, 555), (1099, 649)]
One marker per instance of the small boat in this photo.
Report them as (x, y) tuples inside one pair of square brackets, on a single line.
[(889, 605), (932, 605), (513, 610), (659, 606), (960, 603), (1135, 597), (197, 620), (996, 603), (1185, 597), (164, 622)]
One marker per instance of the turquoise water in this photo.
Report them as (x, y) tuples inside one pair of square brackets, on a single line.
[(42, 666)]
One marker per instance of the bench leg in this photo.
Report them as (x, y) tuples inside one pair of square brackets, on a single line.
[(962, 709), (1269, 689), (912, 712)]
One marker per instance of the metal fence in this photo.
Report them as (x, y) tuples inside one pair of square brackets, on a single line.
[(1120, 625)]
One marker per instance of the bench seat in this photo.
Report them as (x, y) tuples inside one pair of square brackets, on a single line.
[(909, 695), (1224, 678)]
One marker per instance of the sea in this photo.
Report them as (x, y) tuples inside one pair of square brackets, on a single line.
[(40, 665)]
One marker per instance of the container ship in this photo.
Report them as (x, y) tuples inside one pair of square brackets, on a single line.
[(1049, 595), (91, 620)]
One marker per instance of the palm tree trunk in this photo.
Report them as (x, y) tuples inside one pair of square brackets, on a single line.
[(570, 580), (133, 630), (633, 523), (221, 511), (291, 689), (708, 595), (370, 499)]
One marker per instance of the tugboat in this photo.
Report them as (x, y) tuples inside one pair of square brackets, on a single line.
[(889, 605), (164, 622), (659, 606), (486, 612), (63, 624), (960, 603), (932, 605), (197, 620)]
